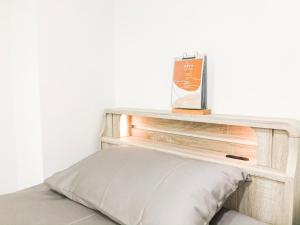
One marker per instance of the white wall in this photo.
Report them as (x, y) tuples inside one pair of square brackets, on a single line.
[(75, 42), (24, 66), (253, 49), (20, 145), (8, 162), (56, 77)]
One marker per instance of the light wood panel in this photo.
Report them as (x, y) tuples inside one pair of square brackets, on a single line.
[(106, 128), (262, 199), (280, 147), (125, 126), (236, 134), (194, 142), (116, 125), (292, 192), (289, 125), (108, 125), (264, 146)]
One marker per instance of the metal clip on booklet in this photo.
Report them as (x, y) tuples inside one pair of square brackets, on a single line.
[(189, 88)]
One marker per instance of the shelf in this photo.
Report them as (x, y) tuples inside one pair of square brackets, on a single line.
[(292, 126), (203, 135)]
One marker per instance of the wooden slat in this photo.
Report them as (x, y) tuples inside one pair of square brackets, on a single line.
[(296, 207), (280, 148), (116, 125), (201, 143), (108, 131), (237, 134), (264, 147), (292, 189), (125, 126), (203, 135), (262, 199), (292, 126)]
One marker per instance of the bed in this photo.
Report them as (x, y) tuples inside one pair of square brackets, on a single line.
[(41, 206), (266, 148)]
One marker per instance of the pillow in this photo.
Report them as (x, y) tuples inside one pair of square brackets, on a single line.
[(136, 186)]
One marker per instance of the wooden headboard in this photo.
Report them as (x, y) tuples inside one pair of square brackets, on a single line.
[(267, 148)]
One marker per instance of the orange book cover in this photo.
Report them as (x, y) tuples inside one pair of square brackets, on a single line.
[(189, 83)]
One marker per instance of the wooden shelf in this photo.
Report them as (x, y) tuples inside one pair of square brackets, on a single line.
[(292, 126), (202, 154), (209, 136)]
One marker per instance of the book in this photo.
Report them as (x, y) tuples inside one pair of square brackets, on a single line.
[(189, 86)]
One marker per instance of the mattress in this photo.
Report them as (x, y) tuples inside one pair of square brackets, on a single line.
[(41, 206)]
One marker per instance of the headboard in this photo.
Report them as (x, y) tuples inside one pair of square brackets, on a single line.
[(267, 148)]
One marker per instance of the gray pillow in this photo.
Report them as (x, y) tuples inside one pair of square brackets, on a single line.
[(136, 186)]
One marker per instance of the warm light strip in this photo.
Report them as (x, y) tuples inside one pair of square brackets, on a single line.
[(124, 126), (223, 138)]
